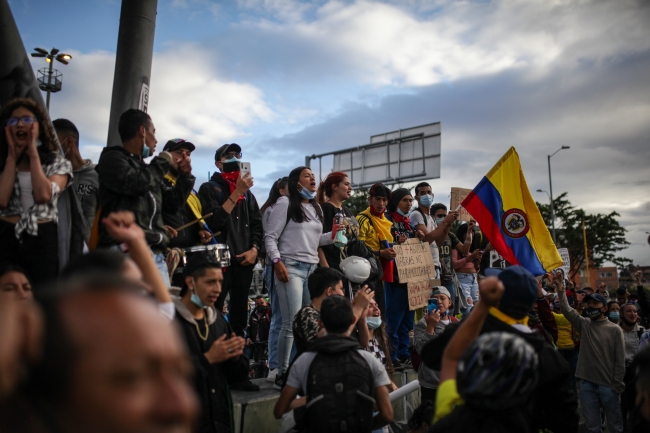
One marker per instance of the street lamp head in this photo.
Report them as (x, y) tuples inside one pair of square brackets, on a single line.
[(566, 147), (48, 59), (539, 190), (68, 57)]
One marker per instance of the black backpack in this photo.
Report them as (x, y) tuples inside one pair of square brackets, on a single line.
[(340, 388)]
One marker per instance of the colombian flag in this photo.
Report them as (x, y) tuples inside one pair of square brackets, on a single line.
[(510, 219)]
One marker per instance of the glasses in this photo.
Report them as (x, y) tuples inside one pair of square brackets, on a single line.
[(27, 120), (231, 155)]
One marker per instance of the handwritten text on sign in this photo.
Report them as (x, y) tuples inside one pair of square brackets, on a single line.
[(418, 294), (457, 197), (414, 261)]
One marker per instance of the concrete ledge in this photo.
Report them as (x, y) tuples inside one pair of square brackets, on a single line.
[(253, 411)]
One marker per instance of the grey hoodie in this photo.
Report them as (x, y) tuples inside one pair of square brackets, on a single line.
[(428, 378), (86, 186)]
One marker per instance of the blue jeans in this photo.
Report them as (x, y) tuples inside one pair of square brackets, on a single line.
[(161, 265), (276, 317), (592, 396), (292, 296), (469, 285), (399, 320)]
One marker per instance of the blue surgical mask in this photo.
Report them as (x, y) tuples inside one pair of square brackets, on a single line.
[(232, 160), (404, 214), (145, 151), (373, 322), (439, 221), (614, 316), (426, 200), (307, 195), (195, 298)]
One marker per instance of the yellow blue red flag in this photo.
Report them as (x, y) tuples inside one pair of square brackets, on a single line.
[(508, 216)]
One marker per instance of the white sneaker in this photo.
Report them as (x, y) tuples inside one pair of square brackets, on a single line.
[(272, 374)]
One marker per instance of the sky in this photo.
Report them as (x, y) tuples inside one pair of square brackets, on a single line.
[(287, 78)]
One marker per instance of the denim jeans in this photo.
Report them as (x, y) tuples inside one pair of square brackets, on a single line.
[(592, 396), (470, 285), (399, 320), (292, 296), (161, 265), (276, 316)]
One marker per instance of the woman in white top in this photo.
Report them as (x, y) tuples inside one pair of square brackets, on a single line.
[(293, 234), (32, 175)]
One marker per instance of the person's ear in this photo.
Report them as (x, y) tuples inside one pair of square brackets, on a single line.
[(188, 283)]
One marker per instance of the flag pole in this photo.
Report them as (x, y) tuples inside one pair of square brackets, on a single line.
[(584, 237)]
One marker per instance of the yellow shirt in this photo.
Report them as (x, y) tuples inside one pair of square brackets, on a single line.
[(564, 332), (447, 399), (368, 234)]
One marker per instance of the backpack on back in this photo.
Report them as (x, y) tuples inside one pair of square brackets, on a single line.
[(340, 388)]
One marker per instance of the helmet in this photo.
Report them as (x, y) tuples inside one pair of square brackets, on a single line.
[(356, 269), (497, 371)]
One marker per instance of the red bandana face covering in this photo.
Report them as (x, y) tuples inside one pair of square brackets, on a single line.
[(231, 178)]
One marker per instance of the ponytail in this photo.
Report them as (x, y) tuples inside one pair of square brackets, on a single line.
[(325, 187)]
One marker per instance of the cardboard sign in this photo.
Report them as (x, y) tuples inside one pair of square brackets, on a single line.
[(414, 261), (566, 261), (457, 197), (418, 294)]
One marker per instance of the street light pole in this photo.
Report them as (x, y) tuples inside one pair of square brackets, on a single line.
[(53, 82), (550, 183), (49, 86)]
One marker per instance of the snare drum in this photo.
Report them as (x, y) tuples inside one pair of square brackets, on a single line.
[(220, 252)]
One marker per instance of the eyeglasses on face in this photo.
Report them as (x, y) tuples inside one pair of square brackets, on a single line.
[(27, 120), (231, 155)]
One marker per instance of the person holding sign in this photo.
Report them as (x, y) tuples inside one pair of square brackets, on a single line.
[(399, 316)]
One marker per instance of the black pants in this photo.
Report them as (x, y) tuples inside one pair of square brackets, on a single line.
[(237, 281), (629, 395), (37, 255)]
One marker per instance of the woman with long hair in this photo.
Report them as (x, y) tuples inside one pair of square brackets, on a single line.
[(279, 189), (332, 192), (467, 265), (378, 343), (293, 234), (33, 175)]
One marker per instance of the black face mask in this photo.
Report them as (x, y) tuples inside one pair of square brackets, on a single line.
[(260, 308), (533, 317), (592, 313)]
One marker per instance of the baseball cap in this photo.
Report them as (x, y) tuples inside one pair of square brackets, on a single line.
[(232, 147), (440, 290), (520, 290), (177, 143), (199, 261), (596, 297)]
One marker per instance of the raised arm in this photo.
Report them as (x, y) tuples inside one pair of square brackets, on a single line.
[(571, 315), (490, 291)]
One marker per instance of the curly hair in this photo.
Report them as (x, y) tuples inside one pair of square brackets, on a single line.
[(50, 143)]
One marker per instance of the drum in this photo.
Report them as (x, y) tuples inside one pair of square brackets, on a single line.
[(220, 252)]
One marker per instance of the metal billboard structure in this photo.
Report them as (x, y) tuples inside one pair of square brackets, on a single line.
[(405, 155)]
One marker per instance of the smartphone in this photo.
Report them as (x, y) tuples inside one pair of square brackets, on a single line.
[(244, 168), (433, 304)]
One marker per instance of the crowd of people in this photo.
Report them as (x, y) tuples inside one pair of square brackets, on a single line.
[(127, 332)]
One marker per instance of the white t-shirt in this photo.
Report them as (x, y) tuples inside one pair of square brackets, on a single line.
[(300, 370), (417, 219)]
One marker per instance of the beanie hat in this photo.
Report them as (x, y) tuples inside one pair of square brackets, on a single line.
[(520, 290), (396, 197)]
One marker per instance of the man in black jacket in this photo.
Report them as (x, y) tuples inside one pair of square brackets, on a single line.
[(215, 350), (126, 182), (553, 405), (237, 216)]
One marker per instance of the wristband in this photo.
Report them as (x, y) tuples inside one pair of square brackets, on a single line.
[(233, 201), (277, 260), (256, 247)]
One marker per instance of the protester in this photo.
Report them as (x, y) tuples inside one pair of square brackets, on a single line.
[(32, 177), (567, 340), (110, 363), (215, 350), (540, 317), (127, 183), (466, 266), (632, 334), (601, 362), (278, 190), (374, 230), (640, 417), (485, 379), (196, 234), (378, 343), (422, 220), (237, 216), (295, 231), (332, 192), (622, 295), (323, 283), (259, 324), (341, 382), (429, 327), (613, 311), (553, 404), (422, 417), (85, 180), (446, 245), (13, 280)]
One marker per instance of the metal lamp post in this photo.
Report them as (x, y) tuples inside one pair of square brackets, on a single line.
[(49, 79), (550, 183)]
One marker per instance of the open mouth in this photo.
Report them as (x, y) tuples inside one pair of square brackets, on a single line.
[(21, 134)]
